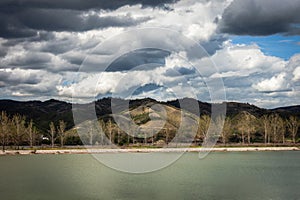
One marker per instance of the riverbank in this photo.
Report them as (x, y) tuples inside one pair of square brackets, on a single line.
[(146, 150)]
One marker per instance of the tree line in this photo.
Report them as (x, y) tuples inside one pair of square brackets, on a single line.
[(243, 129), (17, 131)]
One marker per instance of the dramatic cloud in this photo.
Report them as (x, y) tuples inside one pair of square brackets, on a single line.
[(18, 57), (26, 83), (17, 76), (142, 59), (23, 24), (26, 18), (256, 17), (50, 49), (13, 5)]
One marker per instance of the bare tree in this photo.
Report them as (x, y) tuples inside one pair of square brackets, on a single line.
[(251, 125), (102, 130), (241, 125), (19, 129), (276, 124), (94, 131), (119, 136), (227, 129), (204, 124), (61, 131), (31, 133), (266, 124), (4, 130), (293, 125), (109, 128), (90, 132), (52, 133), (246, 123), (282, 128)]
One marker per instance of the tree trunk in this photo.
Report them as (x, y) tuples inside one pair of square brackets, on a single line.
[(91, 138), (243, 140), (167, 136), (110, 135), (294, 136), (52, 132), (52, 141), (266, 132), (153, 139), (61, 141), (249, 137), (3, 146), (102, 143), (119, 137)]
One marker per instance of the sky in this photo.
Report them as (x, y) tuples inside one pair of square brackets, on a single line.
[(80, 50)]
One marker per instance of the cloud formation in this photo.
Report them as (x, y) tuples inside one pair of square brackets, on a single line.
[(13, 5), (44, 43), (28, 22), (256, 17), (19, 19)]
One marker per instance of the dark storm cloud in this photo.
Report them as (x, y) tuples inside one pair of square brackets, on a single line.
[(10, 27), (3, 51), (27, 22), (13, 5), (22, 19), (10, 78), (147, 59), (257, 17), (68, 20)]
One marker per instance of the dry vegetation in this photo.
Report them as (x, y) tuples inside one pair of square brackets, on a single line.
[(155, 126)]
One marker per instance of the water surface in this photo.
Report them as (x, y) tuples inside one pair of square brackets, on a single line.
[(223, 175)]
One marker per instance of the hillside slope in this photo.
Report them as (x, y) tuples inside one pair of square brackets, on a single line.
[(43, 113)]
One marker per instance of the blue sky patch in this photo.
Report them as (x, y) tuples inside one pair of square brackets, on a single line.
[(273, 45)]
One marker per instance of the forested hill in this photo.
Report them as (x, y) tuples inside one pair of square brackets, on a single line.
[(289, 110), (42, 113)]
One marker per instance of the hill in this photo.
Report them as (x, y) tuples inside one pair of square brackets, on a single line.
[(43, 112)]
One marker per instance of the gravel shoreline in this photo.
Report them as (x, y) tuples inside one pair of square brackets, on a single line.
[(146, 150)]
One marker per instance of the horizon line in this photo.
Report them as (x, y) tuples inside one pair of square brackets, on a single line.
[(134, 99)]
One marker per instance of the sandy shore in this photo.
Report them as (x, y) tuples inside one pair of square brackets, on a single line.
[(146, 150)]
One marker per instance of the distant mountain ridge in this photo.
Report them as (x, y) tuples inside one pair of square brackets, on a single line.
[(43, 112)]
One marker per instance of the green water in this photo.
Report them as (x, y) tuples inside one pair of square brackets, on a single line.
[(224, 175)]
